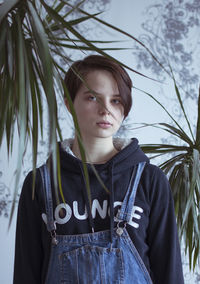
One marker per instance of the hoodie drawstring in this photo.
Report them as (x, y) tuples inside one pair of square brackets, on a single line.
[(111, 200), (88, 205), (111, 169)]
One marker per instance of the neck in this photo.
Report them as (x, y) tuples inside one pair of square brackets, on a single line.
[(98, 150)]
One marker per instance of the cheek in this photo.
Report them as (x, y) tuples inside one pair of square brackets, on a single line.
[(89, 109), (80, 115), (79, 112), (120, 114), (83, 112), (121, 120)]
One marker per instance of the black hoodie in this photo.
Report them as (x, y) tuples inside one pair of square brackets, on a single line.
[(152, 228)]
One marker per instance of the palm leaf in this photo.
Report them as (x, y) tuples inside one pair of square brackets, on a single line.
[(164, 108), (81, 148), (196, 253), (122, 32), (181, 104), (6, 7), (170, 164), (198, 124), (22, 118), (47, 82), (65, 24), (184, 177), (177, 132), (162, 148)]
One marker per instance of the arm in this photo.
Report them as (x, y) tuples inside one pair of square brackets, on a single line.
[(28, 245), (165, 260)]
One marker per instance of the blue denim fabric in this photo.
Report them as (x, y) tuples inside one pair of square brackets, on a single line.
[(92, 258)]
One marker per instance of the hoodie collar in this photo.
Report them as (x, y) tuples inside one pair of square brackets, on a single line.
[(128, 156), (119, 143)]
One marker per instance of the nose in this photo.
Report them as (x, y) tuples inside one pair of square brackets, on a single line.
[(103, 109)]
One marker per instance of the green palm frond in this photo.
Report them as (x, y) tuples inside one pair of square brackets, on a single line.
[(35, 36), (182, 165), (198, 124)]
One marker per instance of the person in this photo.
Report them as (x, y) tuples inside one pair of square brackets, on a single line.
[(124, 231)]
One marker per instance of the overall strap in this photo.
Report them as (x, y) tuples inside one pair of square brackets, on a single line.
[(124, 214), (46, 181)]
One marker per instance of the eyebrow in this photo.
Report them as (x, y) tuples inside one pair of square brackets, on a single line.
[(98, 94)]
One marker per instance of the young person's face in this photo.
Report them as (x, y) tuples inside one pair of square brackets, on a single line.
[(100, 114)]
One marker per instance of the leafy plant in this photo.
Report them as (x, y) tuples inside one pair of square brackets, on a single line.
[(35, 36), (182, 165)]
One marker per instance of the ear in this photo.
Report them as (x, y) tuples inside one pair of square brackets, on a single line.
[(67, 104)]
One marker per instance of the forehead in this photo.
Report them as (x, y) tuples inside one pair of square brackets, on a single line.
[(100, 80)]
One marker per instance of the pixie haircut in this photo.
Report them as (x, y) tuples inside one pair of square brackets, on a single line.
[(98, 62)]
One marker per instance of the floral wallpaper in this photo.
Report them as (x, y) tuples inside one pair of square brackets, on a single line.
[(171, 31)]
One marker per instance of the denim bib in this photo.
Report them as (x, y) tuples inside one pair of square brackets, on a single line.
[(95, 258)]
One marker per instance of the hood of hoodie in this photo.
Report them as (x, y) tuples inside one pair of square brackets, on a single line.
[(122, 163), (129, 155)]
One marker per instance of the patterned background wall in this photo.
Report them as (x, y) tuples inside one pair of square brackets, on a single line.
[(171, 30)]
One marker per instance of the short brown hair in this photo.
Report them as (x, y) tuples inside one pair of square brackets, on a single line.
[(98, 62)]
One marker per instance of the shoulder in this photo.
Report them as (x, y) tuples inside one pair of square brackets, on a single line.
[(31, 202), (32, 187), (153, 172), (31, 177), (156, 183)]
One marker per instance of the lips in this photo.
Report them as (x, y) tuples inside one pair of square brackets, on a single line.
[(104, 124)]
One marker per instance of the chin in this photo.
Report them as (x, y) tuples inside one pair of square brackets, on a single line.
[(105, 135)]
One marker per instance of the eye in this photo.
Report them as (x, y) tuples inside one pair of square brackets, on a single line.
[(92, 98), (116, 101)]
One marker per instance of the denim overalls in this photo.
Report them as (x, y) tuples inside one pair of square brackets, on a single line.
[(96, 257)]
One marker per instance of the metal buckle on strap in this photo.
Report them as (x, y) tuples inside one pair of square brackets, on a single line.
[(53, 238), (120, 227)]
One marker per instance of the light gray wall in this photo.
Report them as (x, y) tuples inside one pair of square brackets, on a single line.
[(128, 15)]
